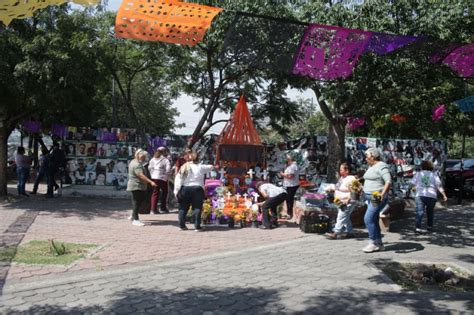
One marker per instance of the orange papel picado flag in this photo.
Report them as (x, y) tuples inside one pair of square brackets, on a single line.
[(22, 9), (170, 21)]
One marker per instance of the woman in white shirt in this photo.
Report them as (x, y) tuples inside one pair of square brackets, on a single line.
[(291, 182), (189, 189), (426, 183), (160, 169), (274, 196), (344, 195)]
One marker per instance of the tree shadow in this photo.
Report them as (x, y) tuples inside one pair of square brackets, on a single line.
[(83, 208), (404, 247), (362, 301), (466, 258), (196, 300), (453, 227), (232, 300)]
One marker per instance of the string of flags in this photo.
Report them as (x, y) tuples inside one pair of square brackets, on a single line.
[(324, 52), (22, 9)]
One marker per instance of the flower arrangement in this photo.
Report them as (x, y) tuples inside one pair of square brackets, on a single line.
[(376, 197), (338, 202), (355, 186), (206, 211)]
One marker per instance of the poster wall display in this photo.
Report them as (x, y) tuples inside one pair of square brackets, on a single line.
[(99, 156)]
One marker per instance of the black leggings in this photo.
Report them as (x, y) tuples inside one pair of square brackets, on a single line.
[(138, 198), (290, 199), (272, 204), (191, 196)]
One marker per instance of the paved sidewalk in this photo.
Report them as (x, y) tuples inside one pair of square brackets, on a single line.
[(160, 269)]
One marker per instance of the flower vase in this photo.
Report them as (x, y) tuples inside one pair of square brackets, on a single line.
[(330, 197), (242, 223), (354, 196), (231, 223)]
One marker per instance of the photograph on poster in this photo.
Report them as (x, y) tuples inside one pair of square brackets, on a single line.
[(112, 151), (80, 173), (123, 150), (101, 166), (81, 149), (71, 168), (120, 167), (90, 164), (118, 180), (70, 148), (90, 178), (91, 149), (100, 179), (102, 149), (71, 133)]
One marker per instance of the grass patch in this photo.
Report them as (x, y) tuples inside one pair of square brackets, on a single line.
[(421, 277), (41, 253)]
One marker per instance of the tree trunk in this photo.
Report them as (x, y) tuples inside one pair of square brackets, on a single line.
[(336, 148), (3, 159)]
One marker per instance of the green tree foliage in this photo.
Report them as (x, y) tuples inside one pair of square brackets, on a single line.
[(58, 67), (44, 63), (144, 75), (217, 84), (403, 82)]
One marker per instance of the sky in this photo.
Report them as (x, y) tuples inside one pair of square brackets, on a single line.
[(186, 109)]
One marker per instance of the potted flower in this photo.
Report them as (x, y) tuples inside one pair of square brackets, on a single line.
[(206, 212), (232, 215), (339, 204), (330, 194)]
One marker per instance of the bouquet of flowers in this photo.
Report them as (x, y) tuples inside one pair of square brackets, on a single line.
[(355, 186), (341, 205), (376, 198)]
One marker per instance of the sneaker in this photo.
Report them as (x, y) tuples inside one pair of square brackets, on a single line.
[(199, 229), (419, 231), (429, 229), (183, 228), (138, 223), (130, 218), (371, 248), (381, 247), (153, 212), (164, 211)]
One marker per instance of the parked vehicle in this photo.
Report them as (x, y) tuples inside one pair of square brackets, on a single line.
[(454, 175)]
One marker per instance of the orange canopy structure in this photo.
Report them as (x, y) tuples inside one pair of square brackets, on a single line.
[(171, 21), (239, 140)]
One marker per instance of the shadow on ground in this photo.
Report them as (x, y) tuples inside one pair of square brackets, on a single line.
[(83, 208), (453, 227), (199, 300)]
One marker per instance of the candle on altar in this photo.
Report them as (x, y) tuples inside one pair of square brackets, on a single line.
[(238, 196), (245, 196)]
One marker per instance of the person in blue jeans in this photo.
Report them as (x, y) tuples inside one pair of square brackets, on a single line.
[(426, 184), (377, 178), (343, 193), (23, 164), (42, 169)]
